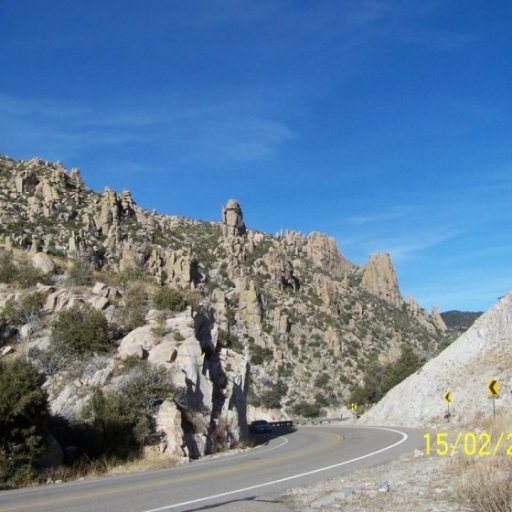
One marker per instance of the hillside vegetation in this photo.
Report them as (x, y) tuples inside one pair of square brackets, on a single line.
[(164, 329)]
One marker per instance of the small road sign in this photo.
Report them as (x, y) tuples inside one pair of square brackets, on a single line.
[(448, 398), (493, 388), (354, 407)]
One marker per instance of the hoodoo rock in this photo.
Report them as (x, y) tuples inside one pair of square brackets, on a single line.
[(233, 219)]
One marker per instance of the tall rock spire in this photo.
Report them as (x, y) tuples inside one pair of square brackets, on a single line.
[(233, 219)]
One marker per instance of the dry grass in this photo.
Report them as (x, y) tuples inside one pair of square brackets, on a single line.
[(106, 466), (485, 482)]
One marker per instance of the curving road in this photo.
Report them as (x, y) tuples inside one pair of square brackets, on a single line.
[(295, 459)]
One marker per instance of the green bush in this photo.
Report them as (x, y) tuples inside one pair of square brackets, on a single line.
[(8, 269), (306, 410), (322, 380), (83, 330), (113, 426), (272, 399), (261, 354), (21, 311), (169, 298), (23, 415), (119, 424), (228, 340), (133, 314), (23, 274)]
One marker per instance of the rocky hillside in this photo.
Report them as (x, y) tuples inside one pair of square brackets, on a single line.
[(284, 320), (482, 353)]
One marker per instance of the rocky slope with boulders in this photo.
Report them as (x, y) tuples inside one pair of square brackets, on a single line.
[(283, 321)]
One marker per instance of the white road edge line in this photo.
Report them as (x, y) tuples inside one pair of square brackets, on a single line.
[(288, 478)]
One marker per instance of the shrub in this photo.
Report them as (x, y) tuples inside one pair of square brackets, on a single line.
[(261, 354), (80, 273), (322, 380), (272, 399), (82, 329), (113, 426), (306, 410), (228, 340), (8, 269), (118, 424), (24, 274), (169, 298), (23, 414), (25, 309), (133, 314)]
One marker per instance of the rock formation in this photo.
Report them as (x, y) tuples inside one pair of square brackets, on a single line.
[(233, 220), (380, 279)]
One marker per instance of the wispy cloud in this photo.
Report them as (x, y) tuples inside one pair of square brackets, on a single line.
[(400, 246), (393, 213), (220, 130)]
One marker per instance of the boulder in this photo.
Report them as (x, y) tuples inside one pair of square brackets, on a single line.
[(43, 263)]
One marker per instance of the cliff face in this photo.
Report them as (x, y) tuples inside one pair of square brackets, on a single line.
[(289, 307)]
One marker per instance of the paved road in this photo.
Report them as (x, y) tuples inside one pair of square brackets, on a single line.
[(296, 459)]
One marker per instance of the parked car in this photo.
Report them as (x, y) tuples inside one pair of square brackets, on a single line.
[(260, 427)]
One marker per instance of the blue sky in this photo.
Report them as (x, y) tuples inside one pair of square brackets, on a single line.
[(386, 124)]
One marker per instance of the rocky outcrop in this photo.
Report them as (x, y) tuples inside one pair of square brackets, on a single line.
[(249, 307), (325, 254), (437, 319), (179, 268), (379, 278)]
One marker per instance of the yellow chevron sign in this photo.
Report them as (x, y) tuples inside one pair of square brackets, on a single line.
[(448, 398), (493, 388), (354, 407)]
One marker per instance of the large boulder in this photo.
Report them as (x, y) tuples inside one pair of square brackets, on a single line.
[(43, 263)]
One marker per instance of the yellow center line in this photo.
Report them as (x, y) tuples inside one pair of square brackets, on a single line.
[(162, 482)]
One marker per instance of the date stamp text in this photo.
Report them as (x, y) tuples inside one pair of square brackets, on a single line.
[(469, 443)]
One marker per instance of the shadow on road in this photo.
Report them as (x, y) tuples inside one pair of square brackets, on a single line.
[(280, 431), (253, 503)]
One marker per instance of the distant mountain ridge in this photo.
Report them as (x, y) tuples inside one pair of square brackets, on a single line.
[(460, 321)]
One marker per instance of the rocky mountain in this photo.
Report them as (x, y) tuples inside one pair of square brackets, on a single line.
[(277, 321), (463, 369)]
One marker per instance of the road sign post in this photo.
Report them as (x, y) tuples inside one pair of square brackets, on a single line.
[(448, 398), (493, 391)]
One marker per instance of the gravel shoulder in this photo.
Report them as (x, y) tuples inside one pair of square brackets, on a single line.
[(414, 482)]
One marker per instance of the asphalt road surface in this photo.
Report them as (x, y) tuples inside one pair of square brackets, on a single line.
[(293, 459)]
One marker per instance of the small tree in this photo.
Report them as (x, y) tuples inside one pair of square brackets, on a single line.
[(23, 414), (82, 329)]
